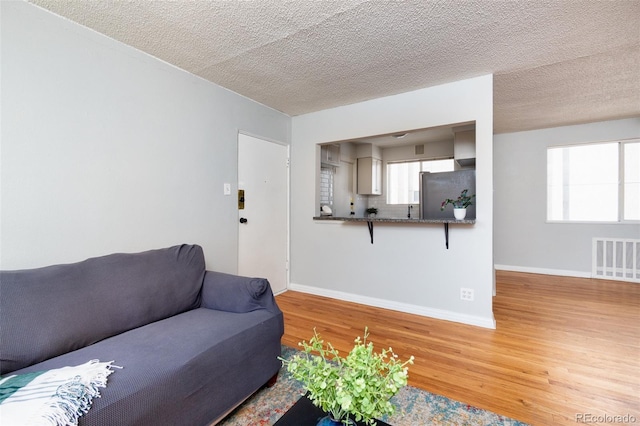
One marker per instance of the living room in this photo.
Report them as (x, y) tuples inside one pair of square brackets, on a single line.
[(107, 149)]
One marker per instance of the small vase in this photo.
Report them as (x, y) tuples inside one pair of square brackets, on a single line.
[(459, 214), (329, 421)]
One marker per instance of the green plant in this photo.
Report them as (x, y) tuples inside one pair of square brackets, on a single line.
[(359, 385), (462, 202)]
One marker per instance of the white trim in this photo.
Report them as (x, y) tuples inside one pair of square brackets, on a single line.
[(583, 222), (264, 138), (397, 306), (544, 271)]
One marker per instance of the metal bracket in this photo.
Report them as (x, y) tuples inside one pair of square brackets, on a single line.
[(446, 234)]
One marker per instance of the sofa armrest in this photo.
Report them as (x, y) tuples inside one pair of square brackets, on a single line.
[(233, 293)]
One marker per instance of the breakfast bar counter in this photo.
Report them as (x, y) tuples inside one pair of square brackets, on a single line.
[(392, 219), (371, 220)]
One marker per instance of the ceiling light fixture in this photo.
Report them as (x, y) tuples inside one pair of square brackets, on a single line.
[(400, 135)]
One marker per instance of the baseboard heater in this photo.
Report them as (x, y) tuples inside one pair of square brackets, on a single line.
[(616, 259)]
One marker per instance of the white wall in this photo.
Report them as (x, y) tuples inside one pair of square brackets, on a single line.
[(407, 267), (106, 149), (523, 240)]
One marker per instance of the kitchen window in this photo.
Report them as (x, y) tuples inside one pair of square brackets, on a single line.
[(326, 186), (597, 182), (403, 178)]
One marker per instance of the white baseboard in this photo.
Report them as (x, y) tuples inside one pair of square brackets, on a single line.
[(543, 271), (397, 306)]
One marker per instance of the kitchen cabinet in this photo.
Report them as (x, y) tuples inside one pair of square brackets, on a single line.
[(369, 176), (330, 155)]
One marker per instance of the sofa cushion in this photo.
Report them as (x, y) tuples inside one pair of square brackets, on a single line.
[(94, 299), (185, 370)]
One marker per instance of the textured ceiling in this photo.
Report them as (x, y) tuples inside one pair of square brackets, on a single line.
[(555, 62)]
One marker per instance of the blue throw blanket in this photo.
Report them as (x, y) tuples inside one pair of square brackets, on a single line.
[(53, 397)]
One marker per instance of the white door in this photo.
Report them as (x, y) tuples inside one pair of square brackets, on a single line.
[(263, 223)]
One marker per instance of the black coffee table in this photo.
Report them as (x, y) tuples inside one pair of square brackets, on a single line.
[(304, 413)]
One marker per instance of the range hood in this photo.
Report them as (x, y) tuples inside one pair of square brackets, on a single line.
[(466, 162), (464, 145)]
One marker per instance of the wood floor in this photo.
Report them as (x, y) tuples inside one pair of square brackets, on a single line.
[(565, 350)]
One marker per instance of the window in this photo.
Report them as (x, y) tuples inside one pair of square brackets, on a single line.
[(403, 179), (326, 186), (631, 180), (597, 182)]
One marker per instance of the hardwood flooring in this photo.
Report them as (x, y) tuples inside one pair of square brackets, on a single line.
[(565, 350)]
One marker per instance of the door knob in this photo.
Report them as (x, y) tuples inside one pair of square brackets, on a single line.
[(243, 220)]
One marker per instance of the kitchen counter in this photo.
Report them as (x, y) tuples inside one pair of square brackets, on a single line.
[(371, 220), (392, 220)]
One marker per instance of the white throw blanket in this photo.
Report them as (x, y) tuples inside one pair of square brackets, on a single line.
[(53, 397)]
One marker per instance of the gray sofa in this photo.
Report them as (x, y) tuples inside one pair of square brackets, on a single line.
[(193, 343)]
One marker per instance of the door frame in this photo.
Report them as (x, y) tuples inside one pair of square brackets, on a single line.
[(288, 197)]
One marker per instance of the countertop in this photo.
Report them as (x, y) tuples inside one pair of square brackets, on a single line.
[(392, 220)]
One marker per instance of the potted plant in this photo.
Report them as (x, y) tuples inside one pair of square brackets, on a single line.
[(460, 204), (357, 387), (372, 211)]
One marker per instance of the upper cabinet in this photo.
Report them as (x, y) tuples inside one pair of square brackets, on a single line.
[(369, 176), (330, 154)]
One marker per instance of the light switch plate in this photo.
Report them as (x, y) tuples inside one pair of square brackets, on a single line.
[(227, 189)]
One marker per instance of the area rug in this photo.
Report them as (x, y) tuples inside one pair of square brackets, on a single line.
[(415, 407)]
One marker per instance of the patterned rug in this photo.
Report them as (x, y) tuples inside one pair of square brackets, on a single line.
[(414, 407)]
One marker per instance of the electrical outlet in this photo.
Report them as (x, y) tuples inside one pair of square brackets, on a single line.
[(466, 294)]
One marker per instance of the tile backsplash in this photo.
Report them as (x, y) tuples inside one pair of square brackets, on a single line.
[(392, 210)]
